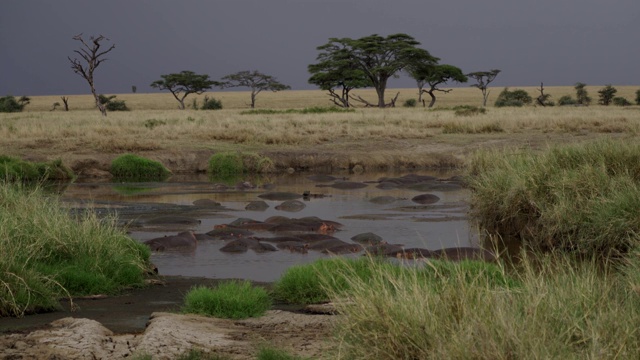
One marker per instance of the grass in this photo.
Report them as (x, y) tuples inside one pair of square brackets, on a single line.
[(270, 353), (225, 165), (560, 308), (580, 198), (230, 300), (14, 169), (318, 281), (130, 167), (47, 254)]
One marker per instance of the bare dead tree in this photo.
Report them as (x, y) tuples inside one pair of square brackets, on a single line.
[(391, 103), (542, 100), (65, 101), (93, 57)]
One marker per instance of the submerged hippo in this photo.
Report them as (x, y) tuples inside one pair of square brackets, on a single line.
[(294, 247), (224, 232), (345, 185), (327, 244), (257, 205), (280, 196), (291, 206), (425, 199), (343, 249), (182, 241), (244, 244), (368, 238)]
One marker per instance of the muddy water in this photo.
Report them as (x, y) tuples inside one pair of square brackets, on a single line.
[(435, 226)]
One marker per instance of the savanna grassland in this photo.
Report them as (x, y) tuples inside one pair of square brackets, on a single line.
[(397, 137)]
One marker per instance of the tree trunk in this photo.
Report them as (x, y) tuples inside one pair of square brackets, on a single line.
[(433, 98), (65, 100), (253, 99), (380, 91)]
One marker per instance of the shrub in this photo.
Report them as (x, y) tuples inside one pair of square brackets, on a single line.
[(582, 95), (229, 300), (638, 97), (152, 123), (468, 110), (516, 98), (620, 101), (111, 104), (211, 104), (13, 169), (606, 95), (10, 104), (567, 100), (131, 167), (410, 103)]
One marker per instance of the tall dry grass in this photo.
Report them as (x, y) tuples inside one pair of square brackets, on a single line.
[(561, 309)]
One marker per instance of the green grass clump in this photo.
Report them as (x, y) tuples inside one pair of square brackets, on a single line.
[(270, 353), (231, 164), (46, 253), (230, 300), (470, 128), (578, 198), (13, 169), (560, 309), (131, 167), (468, 110), (315, 282)]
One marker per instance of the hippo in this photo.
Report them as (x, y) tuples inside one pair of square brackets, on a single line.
[(383, 249), (244, 244), (327, 244), (291, 206), (343, 249), (173, 220), (206, 203), (280, 239), (257, 205), (280, 196), (257, 226), (224, 232), (411, 253), (345, 185), (383, 200), (324, 178), (294, 246), (315, 237), (425, 199), (368, 238), (185, 240)]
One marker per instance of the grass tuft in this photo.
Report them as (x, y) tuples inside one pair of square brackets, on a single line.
[(13, 169), (230, 300), (225, 165), (131, 167)]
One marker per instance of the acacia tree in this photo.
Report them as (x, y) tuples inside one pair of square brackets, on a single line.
[(483, 79), (93, 57), (336, 70), (606, 95), (581, 94), (255, 80), (184, 83), (379, 58), (427, 74)]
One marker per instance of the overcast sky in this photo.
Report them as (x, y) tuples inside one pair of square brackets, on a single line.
[(558, 42)]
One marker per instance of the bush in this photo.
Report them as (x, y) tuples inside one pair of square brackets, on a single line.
[(13, 169), (638, 97), (567, 100), (516, 98), (410, 103), (10, 104), (620, 101), (606, 95), (111, 104), (582, 95), (131, 167), (211, 104), (229, 300)]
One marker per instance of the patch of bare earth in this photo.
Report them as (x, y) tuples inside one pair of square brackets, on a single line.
[(168, 335)]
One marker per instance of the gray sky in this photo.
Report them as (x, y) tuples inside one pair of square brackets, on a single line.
[(558, 42)]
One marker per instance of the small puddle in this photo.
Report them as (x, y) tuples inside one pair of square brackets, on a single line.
[(401, 221)]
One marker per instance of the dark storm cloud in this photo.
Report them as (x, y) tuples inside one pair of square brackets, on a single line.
[(559, 42)]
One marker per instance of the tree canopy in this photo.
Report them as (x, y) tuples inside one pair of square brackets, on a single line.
[(254, 80), (378, 58), (184, 83), (428, 74), (483, 79)]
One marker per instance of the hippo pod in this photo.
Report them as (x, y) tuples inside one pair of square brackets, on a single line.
[(244, 244), (181, 241), (224, 232)]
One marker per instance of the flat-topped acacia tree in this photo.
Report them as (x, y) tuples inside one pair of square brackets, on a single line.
[(483, 79), (430, 77), (184, 83), (93, 56), (254, 80)]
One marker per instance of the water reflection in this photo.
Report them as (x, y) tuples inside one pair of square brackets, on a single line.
[(431, 226)]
